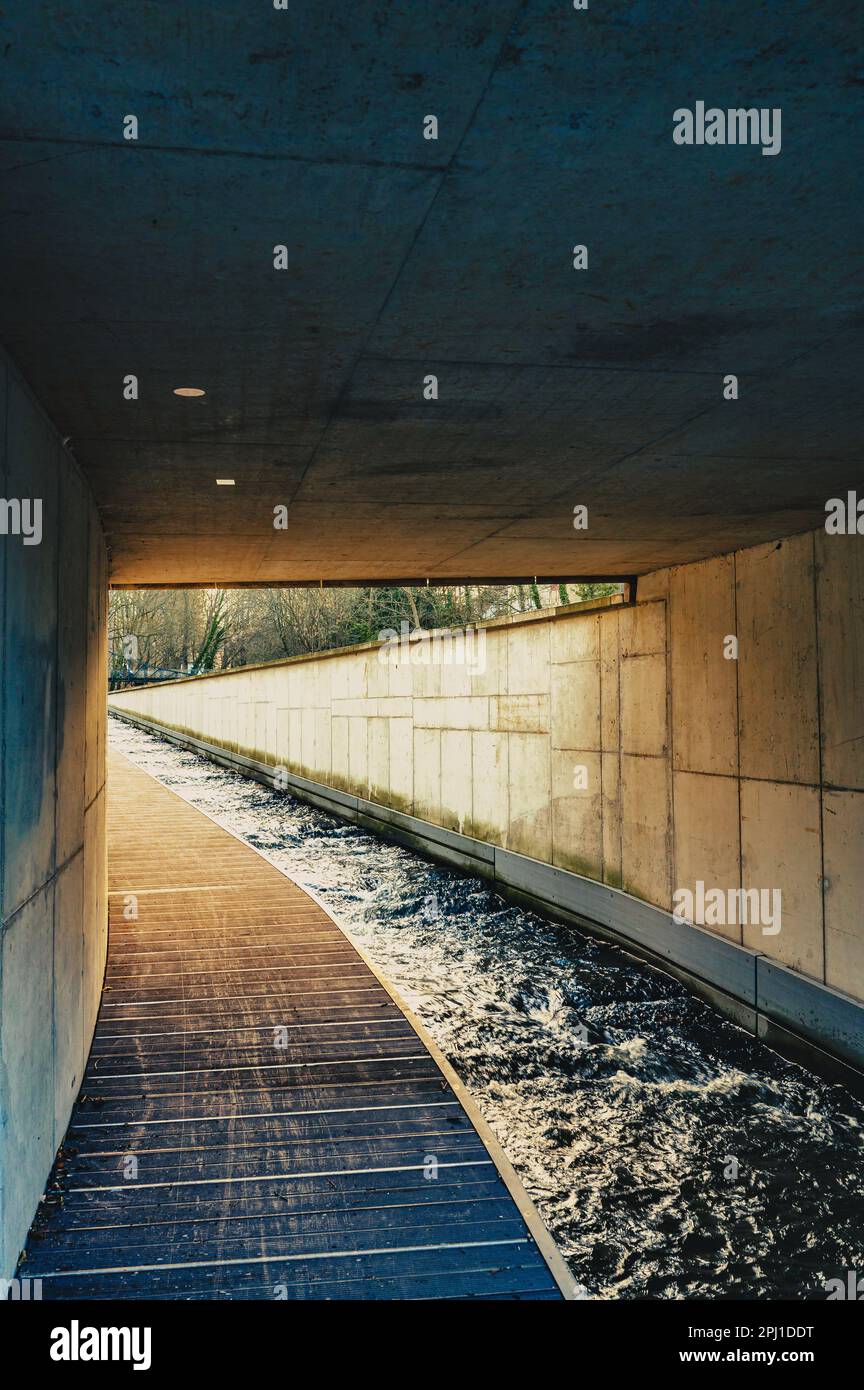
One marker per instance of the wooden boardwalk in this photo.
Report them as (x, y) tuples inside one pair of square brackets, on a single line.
[(259, 1119)]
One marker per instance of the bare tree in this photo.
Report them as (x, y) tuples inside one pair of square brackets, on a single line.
[(173, 630)]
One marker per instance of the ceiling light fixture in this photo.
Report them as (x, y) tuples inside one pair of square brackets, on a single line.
[(189, 391), (225, 482)]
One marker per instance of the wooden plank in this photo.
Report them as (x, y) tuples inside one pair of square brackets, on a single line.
[(258, 1110)]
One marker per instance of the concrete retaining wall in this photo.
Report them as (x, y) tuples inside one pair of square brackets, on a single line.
[(53, 599), (623, 745)]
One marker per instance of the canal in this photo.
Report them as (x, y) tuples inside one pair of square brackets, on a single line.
[(670, 1154)]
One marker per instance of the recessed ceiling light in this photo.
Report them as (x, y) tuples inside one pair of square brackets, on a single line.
[(189, 391), (225, 482)]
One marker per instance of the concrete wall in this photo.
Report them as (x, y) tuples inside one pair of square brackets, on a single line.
[(621, 744), (53, 599)]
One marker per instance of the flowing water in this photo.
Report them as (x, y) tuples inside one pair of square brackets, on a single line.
[(670, 1154)]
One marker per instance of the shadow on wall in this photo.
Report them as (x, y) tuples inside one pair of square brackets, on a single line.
[(54, 908)]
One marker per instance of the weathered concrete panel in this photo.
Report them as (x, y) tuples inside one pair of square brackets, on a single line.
[(843, 820), (366, 673), (27, 1051), (426, 679), (322, 744), (644, 723), (778, 703), (456, 677), (645, 831), (707, 835), (654, 586), (577, 638), (610, 772), (367, 709), (530, 829), (377, 679), (575, 721), (528, 651), (295, 737), (96, 913), (401, 675), (30, 665), (489, 675), (358, 755), (456, 783), (70, 1011), (458, 712), (71, 661), (840, 615), (780, 849), (396, 707), (519, 714), (95, 755), (283, 738), (97, 730), (265, 717), (577, 828), (702, 616), (490, 767), (339, 753), (610, 694), (643, 629), (379, 759), (307, 737), (401, 764), (427, 774)]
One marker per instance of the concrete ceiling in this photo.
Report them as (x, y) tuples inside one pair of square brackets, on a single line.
[(558, 387)]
